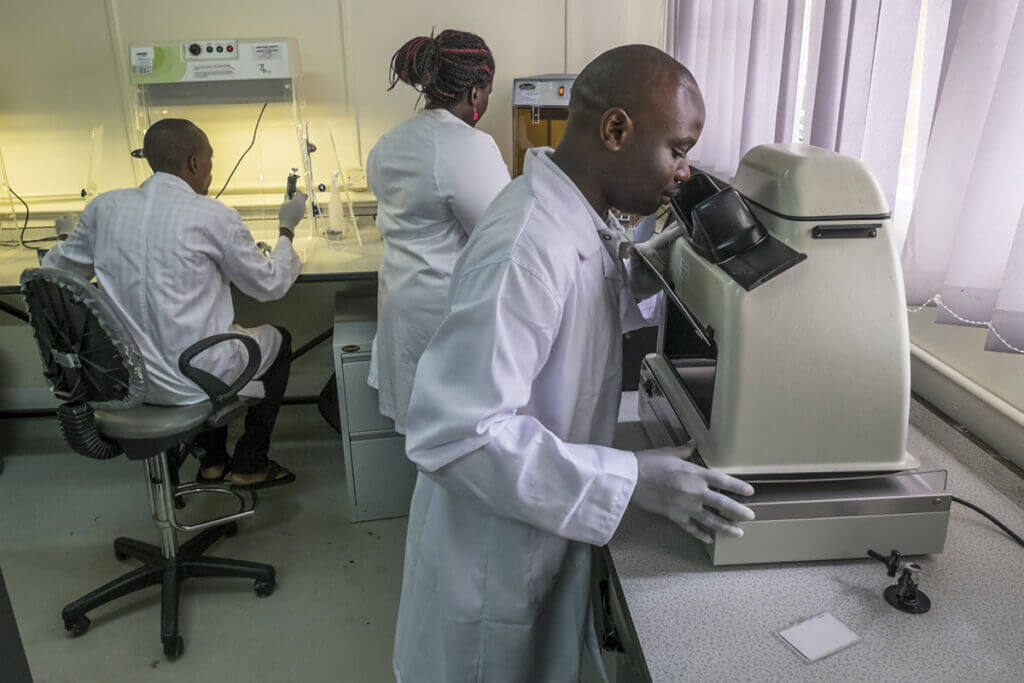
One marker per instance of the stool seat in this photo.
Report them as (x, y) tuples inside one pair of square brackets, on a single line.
[(146, 429), (151, 422)]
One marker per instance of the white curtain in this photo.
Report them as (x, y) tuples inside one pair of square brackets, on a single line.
[(745, 56), (837, 74), (965, 245), (857, 104)]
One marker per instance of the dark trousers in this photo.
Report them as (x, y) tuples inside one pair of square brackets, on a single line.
[(254, 444)]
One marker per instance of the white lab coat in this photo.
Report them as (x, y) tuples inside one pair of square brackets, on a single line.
[(434, 176), (167, 256), (511, 423)]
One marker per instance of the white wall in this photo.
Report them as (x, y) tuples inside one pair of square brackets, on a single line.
[(526, 36), (58, 81), (65, 61), (598, 25)]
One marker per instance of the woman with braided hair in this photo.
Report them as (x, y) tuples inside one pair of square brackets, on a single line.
[(434, 176)]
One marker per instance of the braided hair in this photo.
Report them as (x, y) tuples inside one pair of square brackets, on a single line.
[(443, 68)]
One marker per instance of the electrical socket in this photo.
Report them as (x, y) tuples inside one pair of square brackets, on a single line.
[(355, 178)]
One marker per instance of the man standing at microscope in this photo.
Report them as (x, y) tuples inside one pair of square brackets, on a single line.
[(516, 397), (166, 254)]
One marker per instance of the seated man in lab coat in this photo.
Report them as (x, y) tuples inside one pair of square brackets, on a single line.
[(166, 254), (516, 398)]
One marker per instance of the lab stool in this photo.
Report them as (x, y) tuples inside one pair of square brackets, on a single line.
[(95, 367)]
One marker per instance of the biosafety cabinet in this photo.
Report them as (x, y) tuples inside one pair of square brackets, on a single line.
[(247, 95)]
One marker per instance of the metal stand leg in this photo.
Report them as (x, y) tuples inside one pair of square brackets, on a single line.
[(198, 544), (168, 564), (222, 566), (75, 620), (169, 592), (161, 498)]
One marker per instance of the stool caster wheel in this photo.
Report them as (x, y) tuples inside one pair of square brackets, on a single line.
[(173, 647), (263, 587), (77, 626), (230, 529)]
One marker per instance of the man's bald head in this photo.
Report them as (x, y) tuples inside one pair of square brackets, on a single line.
[(181, 148), (170, 142), (634, 114), (633, 77)]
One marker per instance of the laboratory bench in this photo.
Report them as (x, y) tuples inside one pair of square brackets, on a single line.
[(307, 310), (322, 260), (666, 614), (349, 257)]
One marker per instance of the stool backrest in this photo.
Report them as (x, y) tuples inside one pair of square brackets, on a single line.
[(88, 353)]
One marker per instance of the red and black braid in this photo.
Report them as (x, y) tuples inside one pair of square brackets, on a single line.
[(444, 68)]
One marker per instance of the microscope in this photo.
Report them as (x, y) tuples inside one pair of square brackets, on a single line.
[(783, 354)]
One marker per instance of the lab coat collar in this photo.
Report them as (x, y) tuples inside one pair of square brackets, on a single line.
[(169, 181), (441, 114), (550, 182)]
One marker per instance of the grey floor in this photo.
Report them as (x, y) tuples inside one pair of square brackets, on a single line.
[(332, 617)]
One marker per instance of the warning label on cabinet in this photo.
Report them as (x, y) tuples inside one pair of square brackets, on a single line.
[(266, 51), (215, 71), (142, 60)]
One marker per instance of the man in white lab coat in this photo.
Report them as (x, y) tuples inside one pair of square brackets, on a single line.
[(166, 254), (516, 397)]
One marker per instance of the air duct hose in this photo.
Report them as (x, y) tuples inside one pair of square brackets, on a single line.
[(78, 425)]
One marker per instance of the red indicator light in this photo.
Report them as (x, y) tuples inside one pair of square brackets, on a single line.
[(230, 49), (561, 90)]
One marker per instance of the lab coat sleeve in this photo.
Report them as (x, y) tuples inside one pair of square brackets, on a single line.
[(464, 426), (470, 177), (248, 269), (75, 254)]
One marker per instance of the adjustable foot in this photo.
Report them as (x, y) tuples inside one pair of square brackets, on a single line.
[(918, 604), (904, 595)]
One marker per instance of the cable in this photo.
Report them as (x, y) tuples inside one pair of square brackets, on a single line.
[(318, 339), (25, 225), (21, 237), (251, 143), (991, 519)]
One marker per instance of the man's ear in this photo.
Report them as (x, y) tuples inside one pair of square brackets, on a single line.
[(616, 127), (193, 163)]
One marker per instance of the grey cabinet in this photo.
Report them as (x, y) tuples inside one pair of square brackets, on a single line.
[(620, 650), (383, 477), (378, 476)]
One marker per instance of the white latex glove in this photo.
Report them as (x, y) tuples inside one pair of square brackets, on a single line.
[(292, 211), (64, 225), (655, 250), (645, 273), (669, 486)]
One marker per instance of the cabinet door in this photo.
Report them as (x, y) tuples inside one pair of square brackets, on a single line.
[(361, 399), (620, 651), (382, 478)]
